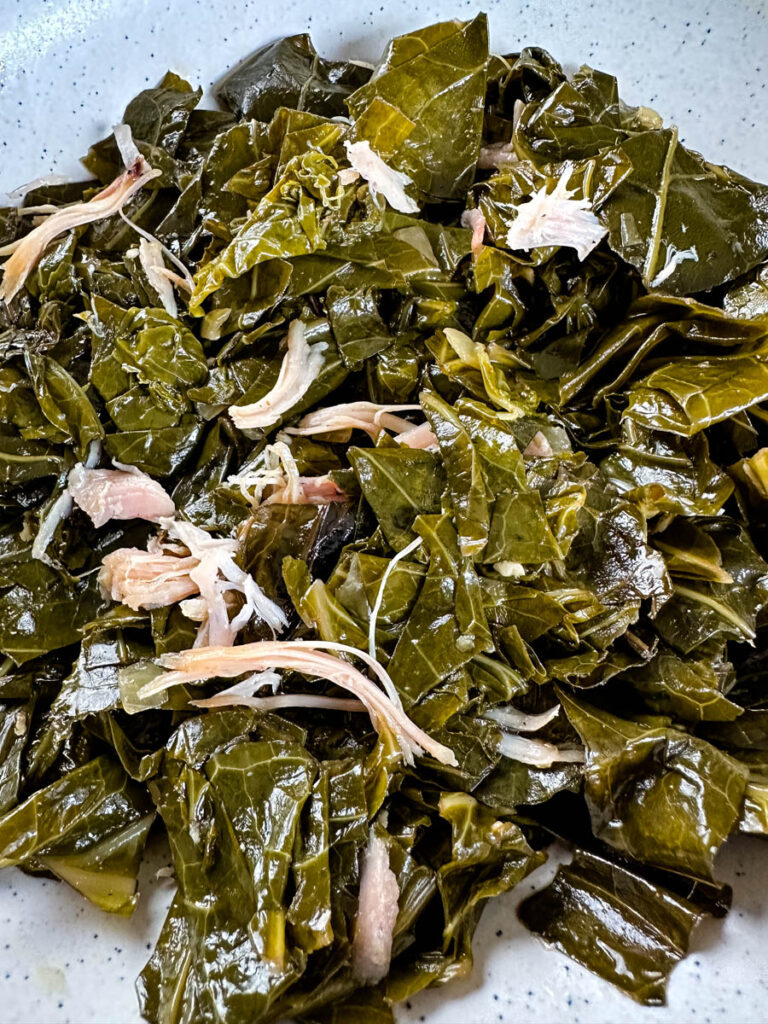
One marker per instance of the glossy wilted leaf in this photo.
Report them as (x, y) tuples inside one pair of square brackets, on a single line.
[(289, 73), (659, 794), (399, 484), (564, 557), (89, 828), (623, 927), (424, 80)]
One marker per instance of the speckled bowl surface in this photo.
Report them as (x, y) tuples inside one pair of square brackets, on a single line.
[(67, 68)]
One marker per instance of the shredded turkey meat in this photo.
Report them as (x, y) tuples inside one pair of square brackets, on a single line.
[(145, 580), (25, 253), (377, 910), (537, 752), (300, 367), (382, 179), (199, 566), (496, 155), (349, 416), (556, 218), (538, 447), (520, 721), (474, 220), (216, 575), (121, 493), (151, 259), (421, 436), (312, 659), (276, 480)]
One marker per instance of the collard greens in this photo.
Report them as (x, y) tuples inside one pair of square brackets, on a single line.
[(539, 498)]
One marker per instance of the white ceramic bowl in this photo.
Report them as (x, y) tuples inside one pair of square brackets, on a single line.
[(67, 69)]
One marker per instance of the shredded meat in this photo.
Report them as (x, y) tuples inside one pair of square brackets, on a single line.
[(123, 493), (349, 416), (381, 177), (310, 659), (377, 910), (301, 365), (475, 220), (556, 218), (417, 437), (26, 251), (142, 579)]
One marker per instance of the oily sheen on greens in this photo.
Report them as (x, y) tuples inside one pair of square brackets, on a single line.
[(583, 531)]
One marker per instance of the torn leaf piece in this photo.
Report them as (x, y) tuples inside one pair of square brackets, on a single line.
[(301, 365), (616, 923), (308, 658), (556, 218), (89, 828), (488, 856), (382, 179), (408, 550), (27, 251), (422, 108), (121, 493), (657, 793)]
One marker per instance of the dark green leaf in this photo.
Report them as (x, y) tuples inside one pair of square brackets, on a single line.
[(626, 929), (661, 795), (399, 484), (447, 626), (425, 80), (89, 828), (289, 73)]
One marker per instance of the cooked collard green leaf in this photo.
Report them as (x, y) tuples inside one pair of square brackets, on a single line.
[(503, 340)]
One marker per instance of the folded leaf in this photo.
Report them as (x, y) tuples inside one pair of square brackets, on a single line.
[(619, 925), (659, 794), (689, 395), (424, 80), (289, 73), (89, 828), (488, 856)]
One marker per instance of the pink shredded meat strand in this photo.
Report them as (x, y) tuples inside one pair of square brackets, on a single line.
[(377, 910), (146, 580), (308, 490), (349, 416), (310, 659), (417, 437), (105, 494), (475, 220), (538, 447), (26, 251), (301, 365)]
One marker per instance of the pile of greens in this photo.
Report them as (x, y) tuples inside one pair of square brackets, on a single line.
[(586, 533)]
